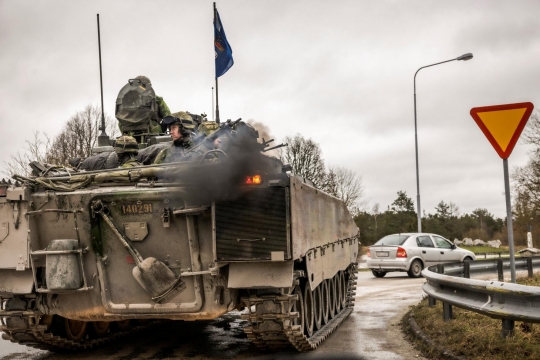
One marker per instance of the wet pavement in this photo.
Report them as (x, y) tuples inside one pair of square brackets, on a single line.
[(370, 332)]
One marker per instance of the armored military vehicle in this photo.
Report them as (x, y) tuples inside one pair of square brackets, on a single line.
[(89, 256)]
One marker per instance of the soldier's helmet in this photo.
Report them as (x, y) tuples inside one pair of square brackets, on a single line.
[(182, 118), (126, 145), (145, 80), (208, 127)]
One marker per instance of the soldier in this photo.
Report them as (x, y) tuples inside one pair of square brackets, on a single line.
[(180, 126), (126, 149), (138, 109)]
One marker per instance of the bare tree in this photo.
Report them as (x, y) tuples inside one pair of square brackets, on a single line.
[(36, 149), (527, 180), (79, 135), (77, 138), (532, 131), (454, 209), (375, 211), (305, 157), (345, 185)]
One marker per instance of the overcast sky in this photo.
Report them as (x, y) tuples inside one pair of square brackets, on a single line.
[(340, 72)]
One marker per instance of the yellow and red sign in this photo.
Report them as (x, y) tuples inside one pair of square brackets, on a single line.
[(503, 124)]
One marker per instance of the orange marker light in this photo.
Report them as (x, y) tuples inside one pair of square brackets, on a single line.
[(257, 179)]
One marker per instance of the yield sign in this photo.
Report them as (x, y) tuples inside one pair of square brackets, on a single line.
[(503, 124)]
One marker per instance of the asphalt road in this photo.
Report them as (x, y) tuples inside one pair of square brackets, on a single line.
[(370, 332)]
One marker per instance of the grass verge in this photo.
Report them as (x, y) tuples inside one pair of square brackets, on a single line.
[(484, 249), (474, 336)]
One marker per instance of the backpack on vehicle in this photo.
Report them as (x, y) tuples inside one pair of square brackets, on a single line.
[(136, 108)]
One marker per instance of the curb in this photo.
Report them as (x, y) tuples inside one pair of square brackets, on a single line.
[(419, 334)]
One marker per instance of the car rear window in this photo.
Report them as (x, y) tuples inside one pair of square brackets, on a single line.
[(392, 240)]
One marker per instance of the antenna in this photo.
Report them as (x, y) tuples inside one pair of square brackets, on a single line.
[(217, 89), (103, 138)]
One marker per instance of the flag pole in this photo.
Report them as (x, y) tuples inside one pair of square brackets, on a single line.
[(217, 92), (213, 116)]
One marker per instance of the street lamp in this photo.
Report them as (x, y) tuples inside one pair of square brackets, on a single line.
[(464, 57)]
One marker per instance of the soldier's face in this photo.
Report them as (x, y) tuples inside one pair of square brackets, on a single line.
[(175, 132)]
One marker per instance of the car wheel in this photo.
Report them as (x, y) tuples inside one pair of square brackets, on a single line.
[(415, 271), (378, 274)]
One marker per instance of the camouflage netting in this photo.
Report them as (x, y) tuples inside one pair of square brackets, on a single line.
[(74, 183)]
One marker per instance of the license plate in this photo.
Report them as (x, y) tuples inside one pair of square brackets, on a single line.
[(139, 208), (382, 253)]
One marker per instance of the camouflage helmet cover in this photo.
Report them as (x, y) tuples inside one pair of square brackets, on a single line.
[(180, 118), (144, 79), (125, 145), (208, 127)]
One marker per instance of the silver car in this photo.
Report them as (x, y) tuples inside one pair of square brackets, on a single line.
[(411, 252)]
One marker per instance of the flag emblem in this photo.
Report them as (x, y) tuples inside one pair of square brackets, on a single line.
[(223, 50)]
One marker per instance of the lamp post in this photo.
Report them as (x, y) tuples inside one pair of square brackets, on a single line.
[(463, 57)]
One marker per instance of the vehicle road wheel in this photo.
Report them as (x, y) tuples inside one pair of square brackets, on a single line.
[(317, 306), (415, 271), (468, 258), (343, 289), (309, 309), (325, 301), (339, 295), (123, 325), (378, 274), (298, 306), (331, 298), (75, 329), (99, 329)]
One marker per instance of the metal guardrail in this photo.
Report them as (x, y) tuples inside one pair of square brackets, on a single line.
[(451, 284), (500, 254)]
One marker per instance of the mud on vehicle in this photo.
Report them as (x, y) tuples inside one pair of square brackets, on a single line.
[(89, 256)]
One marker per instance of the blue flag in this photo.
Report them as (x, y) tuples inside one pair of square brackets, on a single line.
[(224, 59)]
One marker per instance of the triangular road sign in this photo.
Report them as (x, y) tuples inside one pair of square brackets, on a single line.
[(503, 124)]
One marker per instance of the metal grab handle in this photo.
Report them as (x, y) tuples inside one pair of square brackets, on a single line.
[(99, 208), (261, 239)]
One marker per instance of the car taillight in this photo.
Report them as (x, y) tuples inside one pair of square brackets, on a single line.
[(3, 191), (369, 252), (253, 180), (401, 253)]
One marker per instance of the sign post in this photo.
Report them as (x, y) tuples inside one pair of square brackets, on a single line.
[(502, 125)]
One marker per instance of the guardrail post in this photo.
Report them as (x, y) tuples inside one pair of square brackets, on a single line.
[(507, 328), (440, 268), (431, 301), (500, 271), (499, 254), (530, 267), (485, 255), (467, 269), (447, 311)]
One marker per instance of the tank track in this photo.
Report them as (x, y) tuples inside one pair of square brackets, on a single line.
[(271, 325), (39, 337)]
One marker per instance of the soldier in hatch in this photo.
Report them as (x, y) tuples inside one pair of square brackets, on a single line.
[(138, 109), (126, 149), (180, 126)]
